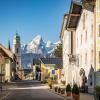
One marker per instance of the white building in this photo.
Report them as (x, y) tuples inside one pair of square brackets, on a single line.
[(80, 57), (66, 41)]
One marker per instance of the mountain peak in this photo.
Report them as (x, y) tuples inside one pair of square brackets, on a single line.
[(36, 40), (49, 43), (38, 37), (38, 46)]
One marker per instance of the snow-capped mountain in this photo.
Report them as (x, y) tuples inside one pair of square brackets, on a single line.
[(35, 49), (38, 46)]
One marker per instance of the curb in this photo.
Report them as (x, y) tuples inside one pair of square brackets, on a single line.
[(69, 98)]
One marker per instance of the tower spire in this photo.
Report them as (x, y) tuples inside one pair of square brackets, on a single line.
[(9, 45), (16, 33)]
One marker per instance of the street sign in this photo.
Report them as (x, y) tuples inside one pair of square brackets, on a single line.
[(53, 71)]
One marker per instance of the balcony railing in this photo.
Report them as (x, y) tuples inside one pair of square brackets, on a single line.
[(72, 58)]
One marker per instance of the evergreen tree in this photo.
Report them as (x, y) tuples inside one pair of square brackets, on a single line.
[(58, 51)]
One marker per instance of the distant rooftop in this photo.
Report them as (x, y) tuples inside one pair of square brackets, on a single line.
[(57, 61)]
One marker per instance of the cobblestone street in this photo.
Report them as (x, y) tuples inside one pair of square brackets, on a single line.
[(34, 90), (30, 91)]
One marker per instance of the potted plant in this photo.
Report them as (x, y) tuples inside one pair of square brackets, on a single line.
[(50, 83), (62, 91), (97, 92), (63, 82), (68, 90), (59, 90), (75, 92), (56, 89)]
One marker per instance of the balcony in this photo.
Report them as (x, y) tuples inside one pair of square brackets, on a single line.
[(72, 58), (73, 16)]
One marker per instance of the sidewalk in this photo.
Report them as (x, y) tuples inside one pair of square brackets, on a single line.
[(85, 96), (4, 92)]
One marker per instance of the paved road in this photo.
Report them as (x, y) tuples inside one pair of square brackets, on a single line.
[(31, 91)]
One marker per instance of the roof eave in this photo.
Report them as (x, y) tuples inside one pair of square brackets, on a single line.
[(62, 28), (73, 16)]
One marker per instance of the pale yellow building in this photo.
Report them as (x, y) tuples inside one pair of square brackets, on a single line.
[(51, 67), (97, 31), (7, 64)]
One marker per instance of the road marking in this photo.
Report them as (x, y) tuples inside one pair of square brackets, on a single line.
[(24, 88), (5, 96)]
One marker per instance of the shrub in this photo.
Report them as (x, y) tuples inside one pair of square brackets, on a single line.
[(68, 88), (75, 89), (50, 83), (62, 91), (44, 81), (63, 82), (59, 90), (56, 89), (97, 92)]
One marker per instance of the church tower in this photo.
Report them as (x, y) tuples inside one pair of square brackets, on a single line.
[(17, 49)]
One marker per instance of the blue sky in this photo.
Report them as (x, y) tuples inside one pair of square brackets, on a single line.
[(30, 18)]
